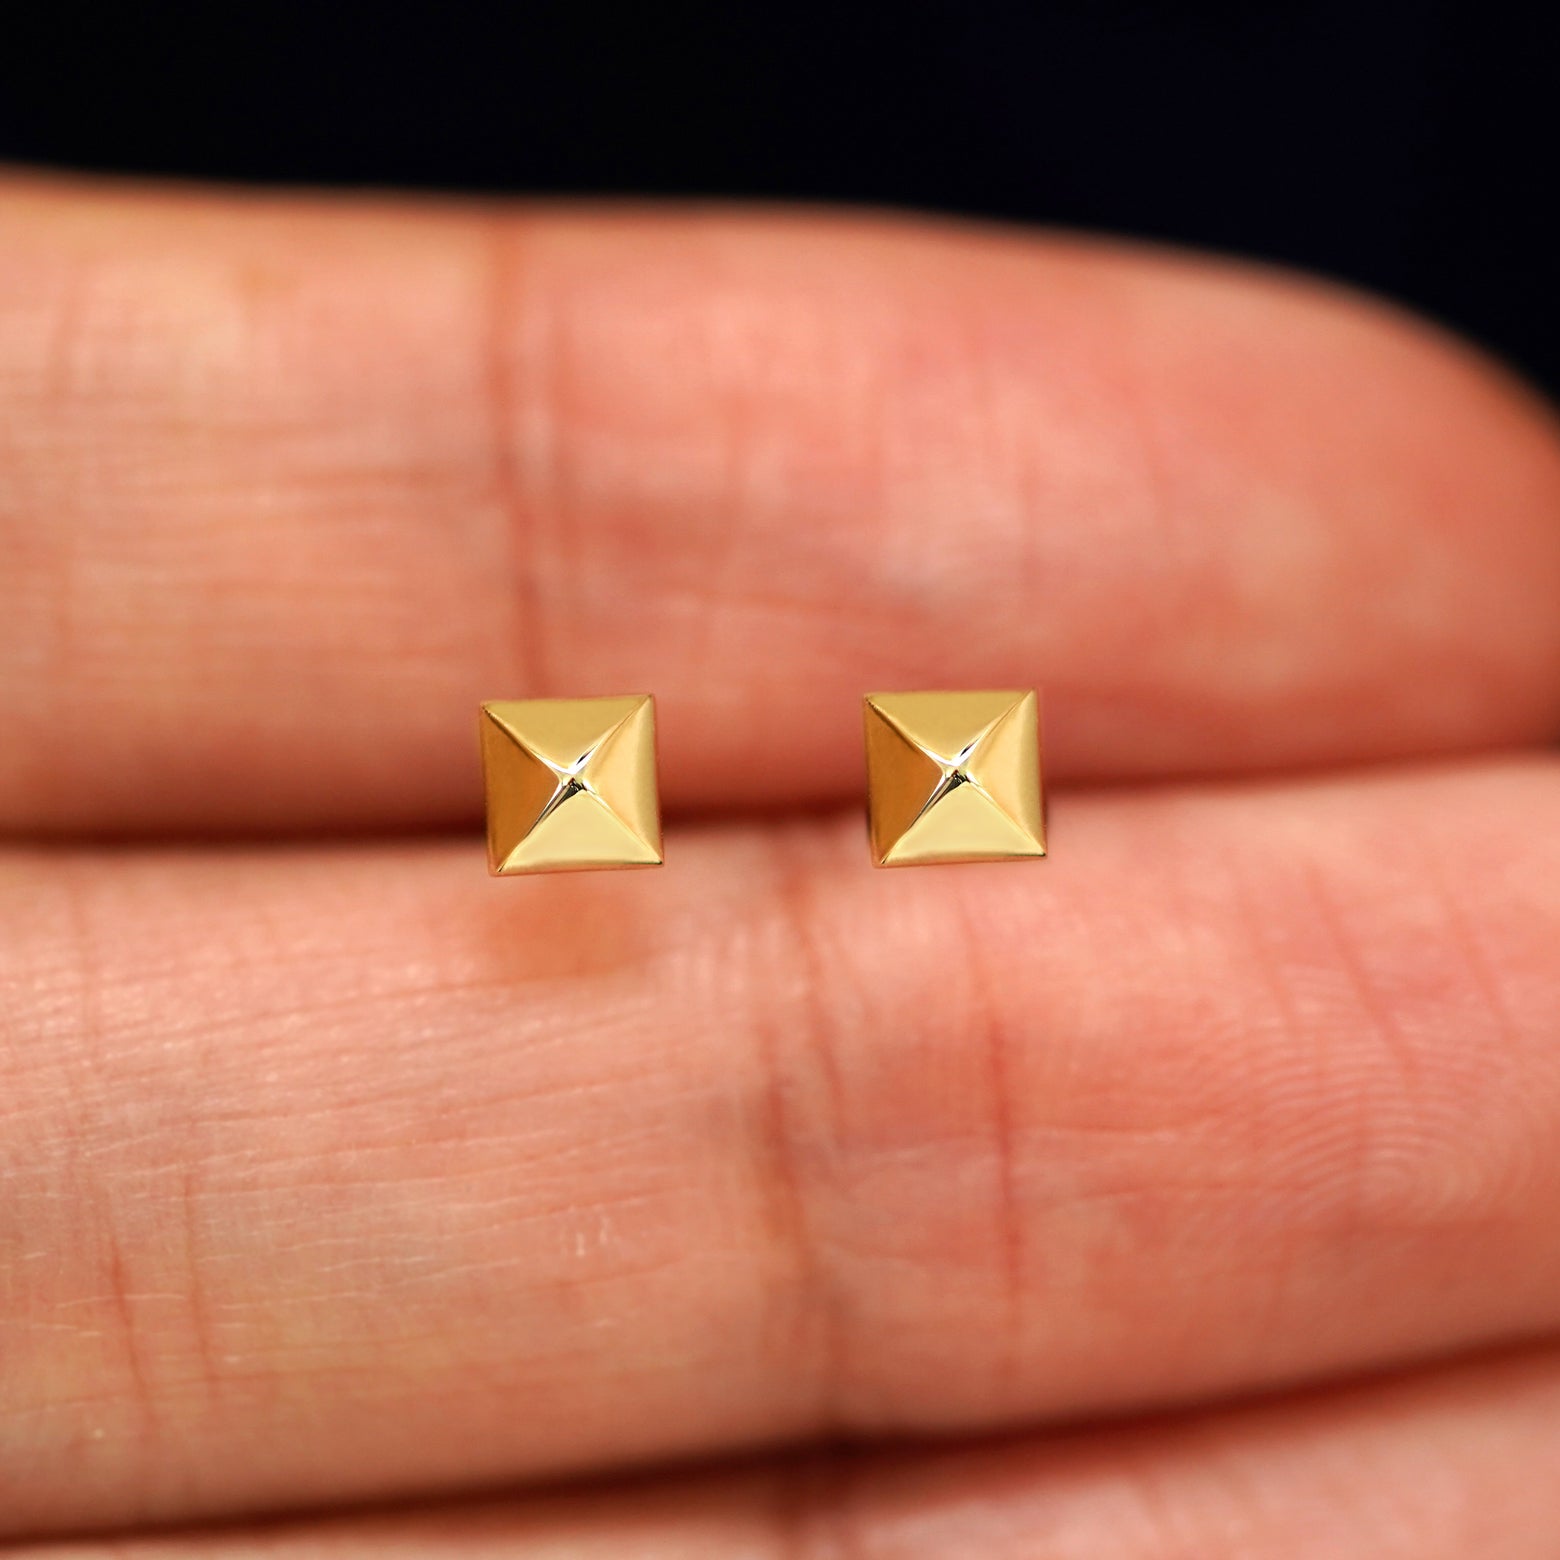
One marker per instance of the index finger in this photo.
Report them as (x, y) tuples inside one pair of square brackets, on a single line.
[(287, 486)]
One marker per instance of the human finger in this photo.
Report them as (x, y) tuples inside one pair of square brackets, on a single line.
[(1446, 1465), (288, 485), (764, 1147)]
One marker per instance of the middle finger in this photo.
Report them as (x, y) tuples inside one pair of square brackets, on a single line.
[(762, 1147)]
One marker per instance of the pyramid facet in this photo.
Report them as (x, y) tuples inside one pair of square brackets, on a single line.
[(1007, 765), (570, 784), (954, 777), (902, 777)]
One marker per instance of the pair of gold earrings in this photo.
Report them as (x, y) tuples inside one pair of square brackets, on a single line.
[(571, 783)]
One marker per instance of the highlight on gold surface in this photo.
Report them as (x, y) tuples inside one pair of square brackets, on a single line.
[(570, 784), (954, 777)]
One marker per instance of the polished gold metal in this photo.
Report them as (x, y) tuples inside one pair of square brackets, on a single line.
[(570, 784), (954, 777)]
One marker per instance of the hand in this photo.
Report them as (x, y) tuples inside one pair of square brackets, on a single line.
[(1191, 1194)]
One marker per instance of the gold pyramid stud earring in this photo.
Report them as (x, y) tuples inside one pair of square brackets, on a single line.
[(570, 784), (954, 777)]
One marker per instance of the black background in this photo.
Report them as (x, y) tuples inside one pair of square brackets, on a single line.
[(1407, 146)]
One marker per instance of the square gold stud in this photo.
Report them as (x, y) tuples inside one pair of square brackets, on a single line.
[(954, 777), (570, 784)]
